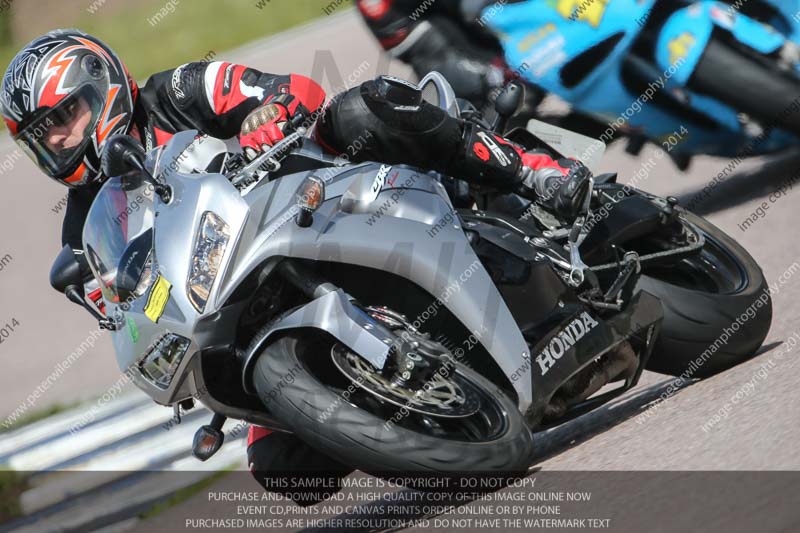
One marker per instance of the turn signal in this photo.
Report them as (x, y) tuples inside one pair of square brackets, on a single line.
[(207, 442), (309, 197)]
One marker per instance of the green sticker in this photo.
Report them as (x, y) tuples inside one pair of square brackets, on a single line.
[(133, 330)]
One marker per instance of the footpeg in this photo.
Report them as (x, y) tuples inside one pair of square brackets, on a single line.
[(209, 438)]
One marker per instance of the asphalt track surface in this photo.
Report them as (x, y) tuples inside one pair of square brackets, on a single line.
[(759, 398)]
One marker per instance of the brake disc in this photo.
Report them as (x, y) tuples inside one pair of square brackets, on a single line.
[(441, 396)]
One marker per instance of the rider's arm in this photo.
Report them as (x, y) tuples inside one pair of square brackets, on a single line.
[(79, 201), (216, 97)]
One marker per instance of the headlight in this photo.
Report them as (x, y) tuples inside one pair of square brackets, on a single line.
[(210, 244), (162, 361)]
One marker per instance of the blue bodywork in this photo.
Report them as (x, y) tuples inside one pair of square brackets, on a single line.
[(542, 38)]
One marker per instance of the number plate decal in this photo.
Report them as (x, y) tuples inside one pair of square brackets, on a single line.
[(157, 300)]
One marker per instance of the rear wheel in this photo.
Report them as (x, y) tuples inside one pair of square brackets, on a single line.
[(750, 84), (464, 423), (717, 307)]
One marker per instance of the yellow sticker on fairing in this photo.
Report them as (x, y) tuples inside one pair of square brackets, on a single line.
[(157, 301), (591, 11), (680, 46)]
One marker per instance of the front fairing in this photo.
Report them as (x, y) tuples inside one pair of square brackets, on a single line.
[(174, 229)]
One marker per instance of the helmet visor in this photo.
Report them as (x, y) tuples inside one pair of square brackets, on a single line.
[(56, 139)]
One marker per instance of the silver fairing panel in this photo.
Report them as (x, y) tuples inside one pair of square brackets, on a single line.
[(409, 229), (404, 225)]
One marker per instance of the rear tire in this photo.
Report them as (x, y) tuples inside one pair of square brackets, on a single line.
[(362, 440), (695, 320), (750, 84)]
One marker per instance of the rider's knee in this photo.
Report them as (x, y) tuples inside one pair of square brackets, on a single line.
[(278, 460)]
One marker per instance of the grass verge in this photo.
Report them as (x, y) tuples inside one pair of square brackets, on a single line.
[(12, 485), (184, 494), (151, 36), (35, 416)]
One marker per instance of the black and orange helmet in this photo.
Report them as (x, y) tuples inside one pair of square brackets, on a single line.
[(52, 78)]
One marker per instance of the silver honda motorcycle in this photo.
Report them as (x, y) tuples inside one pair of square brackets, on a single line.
[(353, 305)]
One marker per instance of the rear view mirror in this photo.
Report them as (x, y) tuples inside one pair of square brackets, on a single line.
[(66, 277), (66, 270), (121, 155)]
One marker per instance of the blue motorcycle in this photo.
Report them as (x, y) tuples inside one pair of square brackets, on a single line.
[(721, 78)]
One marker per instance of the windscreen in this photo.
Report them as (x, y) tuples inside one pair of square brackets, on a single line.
[(118, 237)]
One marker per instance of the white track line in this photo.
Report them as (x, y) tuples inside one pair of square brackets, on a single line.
[(72, 445), (30, 435)]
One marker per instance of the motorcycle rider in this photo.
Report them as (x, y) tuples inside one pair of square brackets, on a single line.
[(65, 93), (448, 37)]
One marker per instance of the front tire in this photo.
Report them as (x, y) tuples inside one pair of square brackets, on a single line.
[(723, 289), (363, 440)]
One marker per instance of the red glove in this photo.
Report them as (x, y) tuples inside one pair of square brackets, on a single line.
[(536, 160), (262, 128), (541, 161), (561, 184)]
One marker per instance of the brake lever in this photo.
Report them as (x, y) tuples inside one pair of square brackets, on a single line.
[(269, 157)]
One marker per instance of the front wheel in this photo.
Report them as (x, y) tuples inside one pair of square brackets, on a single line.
[(372, 432), (717, 307)]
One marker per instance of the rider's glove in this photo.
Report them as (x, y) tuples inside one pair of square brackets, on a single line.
[(262, 128), (560, 185)]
